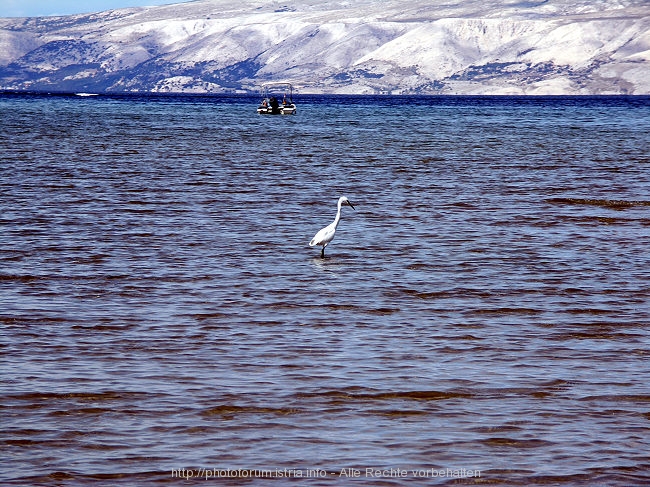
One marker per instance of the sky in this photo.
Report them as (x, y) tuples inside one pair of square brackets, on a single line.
[(36, 8)]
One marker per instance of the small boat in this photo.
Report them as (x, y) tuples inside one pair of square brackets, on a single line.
[(271, 104)]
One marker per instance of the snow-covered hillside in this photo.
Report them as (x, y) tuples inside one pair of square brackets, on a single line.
[(338, 46)]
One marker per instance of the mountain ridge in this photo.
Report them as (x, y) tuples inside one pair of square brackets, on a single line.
[(337, 46)]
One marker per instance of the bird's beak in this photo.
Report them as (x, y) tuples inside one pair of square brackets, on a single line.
[(351, 205)]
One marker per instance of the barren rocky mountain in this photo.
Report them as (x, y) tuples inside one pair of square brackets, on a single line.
[(338, 46)]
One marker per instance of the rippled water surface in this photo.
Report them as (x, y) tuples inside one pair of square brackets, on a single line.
[(485, 309)]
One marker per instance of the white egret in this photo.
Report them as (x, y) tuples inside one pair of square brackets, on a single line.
[(325, 235)]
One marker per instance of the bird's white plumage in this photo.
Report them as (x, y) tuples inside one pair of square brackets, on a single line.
[(325, 235)]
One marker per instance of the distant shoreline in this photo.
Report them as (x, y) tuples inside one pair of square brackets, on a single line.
[(331, 96)]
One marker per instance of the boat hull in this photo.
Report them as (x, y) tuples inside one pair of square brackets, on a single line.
[(282, 110)]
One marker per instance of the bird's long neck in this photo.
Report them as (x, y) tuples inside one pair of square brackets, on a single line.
[(338, 215)]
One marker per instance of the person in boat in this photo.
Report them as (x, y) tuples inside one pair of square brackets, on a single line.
[(275, 106)]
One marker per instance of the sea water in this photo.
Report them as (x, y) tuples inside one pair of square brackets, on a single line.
[(483, 314)]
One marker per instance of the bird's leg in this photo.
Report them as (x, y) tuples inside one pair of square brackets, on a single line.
[(322, 253)]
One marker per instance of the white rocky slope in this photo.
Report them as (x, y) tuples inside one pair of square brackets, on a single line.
[(338, 46)]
